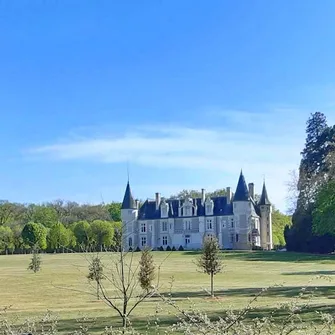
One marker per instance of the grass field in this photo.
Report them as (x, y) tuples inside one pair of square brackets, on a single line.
[(61, 286)]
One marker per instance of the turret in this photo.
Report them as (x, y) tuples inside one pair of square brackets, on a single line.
[(129, 212), (265, 220), (242, 212)]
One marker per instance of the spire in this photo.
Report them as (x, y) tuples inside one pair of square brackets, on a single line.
[(242, 193), (128, 200), (264, 200)]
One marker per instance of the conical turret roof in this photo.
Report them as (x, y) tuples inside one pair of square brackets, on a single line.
[(128, 200), (242, 193), (264, 200)]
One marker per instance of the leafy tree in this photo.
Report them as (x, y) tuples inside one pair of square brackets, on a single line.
[(7, 210), (197, 194), (35, 263), (95, 272), (102, 233), (324, 212), (114, 210), (210, 262), (6, 239), (35, 235), (279, 222), (146, 274), (83, 233), (44, 215), (59, 236)]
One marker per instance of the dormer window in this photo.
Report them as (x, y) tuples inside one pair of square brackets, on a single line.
[(164, 209), (209, 206), (187, 208)]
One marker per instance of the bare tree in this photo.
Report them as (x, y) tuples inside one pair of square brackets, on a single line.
[(292, 191)]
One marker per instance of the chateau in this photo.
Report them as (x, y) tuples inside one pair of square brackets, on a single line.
[(237, 220)]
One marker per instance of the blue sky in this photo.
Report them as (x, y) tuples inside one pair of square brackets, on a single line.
[(189, 92)]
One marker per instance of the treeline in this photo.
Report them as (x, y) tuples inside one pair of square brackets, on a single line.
[(59, 226), (313, 222)]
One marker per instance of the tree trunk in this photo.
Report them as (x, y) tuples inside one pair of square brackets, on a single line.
[(212, 284), (98, 290)]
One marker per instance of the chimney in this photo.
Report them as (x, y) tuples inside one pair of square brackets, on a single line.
[(229, 195), (251, 190), (158, 200), (203, 196), (137, 202)]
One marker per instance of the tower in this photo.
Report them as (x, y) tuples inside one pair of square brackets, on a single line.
[(129, 213), (266, 220), (242, 212)]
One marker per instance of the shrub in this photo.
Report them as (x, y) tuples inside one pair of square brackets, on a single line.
[(181, 248), (137, 249), (161, 248), (168, 248), (173, 248)]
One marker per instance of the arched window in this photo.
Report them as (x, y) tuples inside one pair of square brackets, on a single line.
[(130, 242)]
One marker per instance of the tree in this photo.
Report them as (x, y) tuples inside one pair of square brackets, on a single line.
[(146, 274), (6, 211), (102, 233), (83, 233), (44, 215), (6, 239), (210, 262), (197, 194), (122, 275), (35, 263), (324, 212), (96, 272), (59, 236), (35, 235), (279, 222), (114, 210)]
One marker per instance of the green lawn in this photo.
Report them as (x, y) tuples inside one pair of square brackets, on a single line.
[(61, 286)]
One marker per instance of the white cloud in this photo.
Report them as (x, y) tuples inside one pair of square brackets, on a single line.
[(270, 147)]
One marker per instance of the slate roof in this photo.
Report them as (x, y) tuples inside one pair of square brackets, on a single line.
[(128, 200), (148, 209), (264, 200), (242, 193)]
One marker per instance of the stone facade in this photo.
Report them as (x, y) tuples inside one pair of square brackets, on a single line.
[(235, 219)]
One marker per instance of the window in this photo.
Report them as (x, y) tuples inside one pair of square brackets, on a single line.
[(249, 238), (236, 237), (268, 234), (187, 211), (165, 239), (170, 226), (232, 223), (209, 224), (267, 226), (188, 225), (143, 228), (187, 239), (164, 226), (231, 238), (143, 241), (130, 242)]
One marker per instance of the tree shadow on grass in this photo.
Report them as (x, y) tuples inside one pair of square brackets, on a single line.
[(97, 325), (272, 256), (278, 291), (310, 273)]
